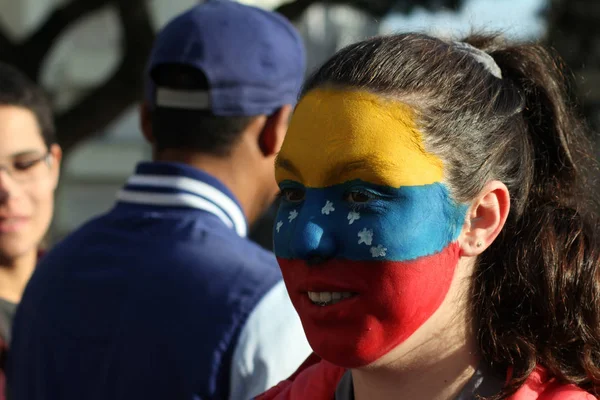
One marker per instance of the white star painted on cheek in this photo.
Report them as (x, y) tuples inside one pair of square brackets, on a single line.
[(365, 236), (353, 216), (378, 251), (293, 215), (327, 208), (279, 225)]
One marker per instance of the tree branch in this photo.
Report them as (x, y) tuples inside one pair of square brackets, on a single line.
[(107, 102), (377, 8), (138, 33), (97, 110), (8, 51), (5, 44), (295, 9), (37, 46)]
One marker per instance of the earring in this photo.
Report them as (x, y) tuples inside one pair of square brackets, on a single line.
[(479, 244)]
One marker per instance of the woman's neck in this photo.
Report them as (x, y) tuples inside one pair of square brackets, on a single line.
[(442, 379), (15, 274), (435, 363)]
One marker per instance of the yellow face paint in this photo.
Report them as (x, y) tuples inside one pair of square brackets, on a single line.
[(340, 135)]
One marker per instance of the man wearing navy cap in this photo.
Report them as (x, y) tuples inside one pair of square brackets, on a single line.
[(163, 297)]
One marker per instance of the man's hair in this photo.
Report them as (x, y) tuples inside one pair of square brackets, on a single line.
[(196, 130), (18, 90)]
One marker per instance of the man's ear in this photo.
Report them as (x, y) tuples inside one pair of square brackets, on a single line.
[(146, 121), (274, 130), (55, 160), (485, 219)]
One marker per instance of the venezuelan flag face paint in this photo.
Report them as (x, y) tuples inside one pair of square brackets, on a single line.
[(366, 231)]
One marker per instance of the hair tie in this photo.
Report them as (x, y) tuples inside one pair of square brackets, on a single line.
[(481, 57)]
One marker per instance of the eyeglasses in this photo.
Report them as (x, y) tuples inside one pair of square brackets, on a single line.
[(28, 168)]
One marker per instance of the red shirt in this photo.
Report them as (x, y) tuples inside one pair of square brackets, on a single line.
[(317, 379)]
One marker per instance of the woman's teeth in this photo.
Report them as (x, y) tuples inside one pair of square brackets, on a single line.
[(328, 298)]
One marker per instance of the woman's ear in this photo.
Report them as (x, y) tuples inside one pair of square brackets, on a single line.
[(55, 160), (485, 219)]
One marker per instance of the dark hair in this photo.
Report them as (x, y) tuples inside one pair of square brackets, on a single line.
[(536, 290), (196, 130), (18, 90)]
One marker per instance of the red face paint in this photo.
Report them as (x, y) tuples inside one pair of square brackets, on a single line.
[(394, 298)]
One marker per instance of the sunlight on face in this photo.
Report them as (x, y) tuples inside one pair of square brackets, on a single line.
[(366, 230), (28, 178), (337, 136)]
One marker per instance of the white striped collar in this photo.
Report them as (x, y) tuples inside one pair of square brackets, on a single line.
[(174, 188)]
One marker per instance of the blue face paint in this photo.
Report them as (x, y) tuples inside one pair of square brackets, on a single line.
[(362, 221)]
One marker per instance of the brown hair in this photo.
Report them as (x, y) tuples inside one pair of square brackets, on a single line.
[(536, 292), (16, 89)]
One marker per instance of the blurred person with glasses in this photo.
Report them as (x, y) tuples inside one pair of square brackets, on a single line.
[(29, 170)]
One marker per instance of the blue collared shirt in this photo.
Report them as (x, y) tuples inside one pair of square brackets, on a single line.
[(162, 297)]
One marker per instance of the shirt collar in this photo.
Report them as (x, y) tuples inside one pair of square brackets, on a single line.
[(484, 383), (179, 185)]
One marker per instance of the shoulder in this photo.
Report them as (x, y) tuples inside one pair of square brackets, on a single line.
[(541, 386), (273, 315), (238, 260), (179, 239), (565, 392), (213, 242), (316, 379), (198, 264), (271, 346)]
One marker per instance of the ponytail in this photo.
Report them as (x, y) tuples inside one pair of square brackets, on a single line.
[(537, 288)]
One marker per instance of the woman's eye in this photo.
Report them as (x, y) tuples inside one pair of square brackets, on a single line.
[(357, 197), (24, 165), (293, 195)]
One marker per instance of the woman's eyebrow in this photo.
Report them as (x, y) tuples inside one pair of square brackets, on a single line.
[(284, 163), (344, 168), (368, 166), (24, 153)]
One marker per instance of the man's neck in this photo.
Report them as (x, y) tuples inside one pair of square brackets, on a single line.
[(15, 274), (232, 174)]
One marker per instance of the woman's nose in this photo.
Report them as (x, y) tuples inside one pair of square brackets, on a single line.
[(7, 186), (312, 242)]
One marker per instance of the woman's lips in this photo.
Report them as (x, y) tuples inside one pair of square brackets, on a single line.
[(12, 224), (329, 287), (325, 299), (332, 312), (331, 276)]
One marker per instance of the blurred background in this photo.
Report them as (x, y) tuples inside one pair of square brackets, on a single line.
[(90, 54)]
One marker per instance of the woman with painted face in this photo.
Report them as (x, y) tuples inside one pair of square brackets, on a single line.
[(29, 169), (437, 231)]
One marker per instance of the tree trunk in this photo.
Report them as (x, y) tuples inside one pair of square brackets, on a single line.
[(105, 103)]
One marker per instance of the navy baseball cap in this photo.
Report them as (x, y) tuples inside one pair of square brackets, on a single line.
[(254, 60)]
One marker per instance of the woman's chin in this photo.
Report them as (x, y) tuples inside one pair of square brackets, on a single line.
[(14, 246)]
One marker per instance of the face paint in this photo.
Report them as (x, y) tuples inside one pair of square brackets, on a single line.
[(364, 215)]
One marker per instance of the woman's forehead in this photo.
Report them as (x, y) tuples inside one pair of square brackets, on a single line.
[(337, 135), (19, 132)]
